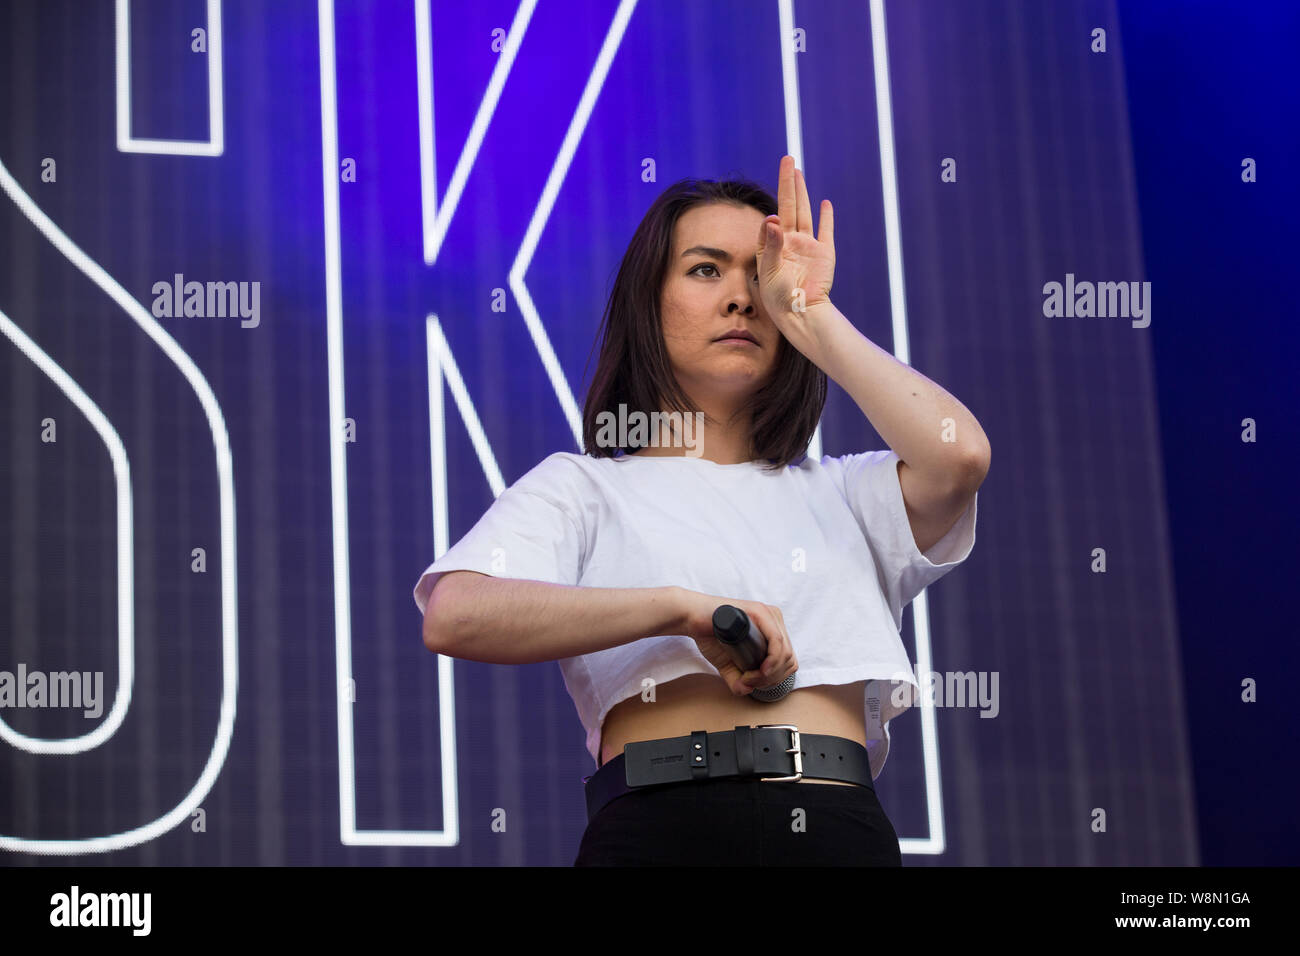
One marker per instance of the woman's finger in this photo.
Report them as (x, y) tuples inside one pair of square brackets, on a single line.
[(785, 194), (827, 233), (780, 648), (803, 205), (778, 645), (789, 663), (773, 244)]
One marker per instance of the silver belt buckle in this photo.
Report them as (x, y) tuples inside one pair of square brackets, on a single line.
[(798, 756)]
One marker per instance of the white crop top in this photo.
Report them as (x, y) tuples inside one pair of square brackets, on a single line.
[(828, 542)]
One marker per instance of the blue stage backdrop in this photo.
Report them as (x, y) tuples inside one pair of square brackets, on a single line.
[(419, 209)]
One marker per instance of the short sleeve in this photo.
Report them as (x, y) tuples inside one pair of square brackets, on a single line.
[(526, 533), (875, 496)]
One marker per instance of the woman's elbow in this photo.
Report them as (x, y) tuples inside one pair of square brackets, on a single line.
[(432, 632), (442, 621), (437, 629)]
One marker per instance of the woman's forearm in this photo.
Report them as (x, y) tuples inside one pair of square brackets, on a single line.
[(511, 621), (929, 429)]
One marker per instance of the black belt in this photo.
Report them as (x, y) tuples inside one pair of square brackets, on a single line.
[(765, 749)]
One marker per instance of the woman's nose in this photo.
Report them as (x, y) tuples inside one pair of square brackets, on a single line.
[(742, 301)]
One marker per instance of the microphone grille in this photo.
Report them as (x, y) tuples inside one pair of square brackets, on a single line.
[(770, 694)]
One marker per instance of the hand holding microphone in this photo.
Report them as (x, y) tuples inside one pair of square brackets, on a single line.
[(738, 654), (748, 648)]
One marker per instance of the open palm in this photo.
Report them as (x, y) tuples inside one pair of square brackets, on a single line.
[(795, 269)]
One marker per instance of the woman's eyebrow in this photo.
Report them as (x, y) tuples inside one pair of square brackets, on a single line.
[(712, 253)]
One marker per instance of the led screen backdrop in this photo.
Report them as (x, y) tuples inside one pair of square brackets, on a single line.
[(405, 218)]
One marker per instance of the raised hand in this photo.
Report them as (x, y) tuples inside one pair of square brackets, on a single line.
[(795, 269)]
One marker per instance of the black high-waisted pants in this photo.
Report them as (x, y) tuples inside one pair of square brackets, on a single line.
[(735, 821)]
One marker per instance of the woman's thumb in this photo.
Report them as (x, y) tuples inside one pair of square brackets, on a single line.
[(771, 239)]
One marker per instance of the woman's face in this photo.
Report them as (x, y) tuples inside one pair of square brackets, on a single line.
[(711, 288)]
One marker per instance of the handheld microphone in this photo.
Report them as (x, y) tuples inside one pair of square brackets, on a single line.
[(748, 648)]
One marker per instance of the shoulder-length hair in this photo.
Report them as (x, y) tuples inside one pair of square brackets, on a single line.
[(634, 369)]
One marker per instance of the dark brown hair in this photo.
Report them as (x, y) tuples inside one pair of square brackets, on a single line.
[(634, 369)]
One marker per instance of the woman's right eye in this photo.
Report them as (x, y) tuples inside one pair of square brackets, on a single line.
[(703, 265)]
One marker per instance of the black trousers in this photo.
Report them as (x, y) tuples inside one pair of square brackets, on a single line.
[(741, 822)]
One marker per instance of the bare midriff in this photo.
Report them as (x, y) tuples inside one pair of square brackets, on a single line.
[(704, 702)]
